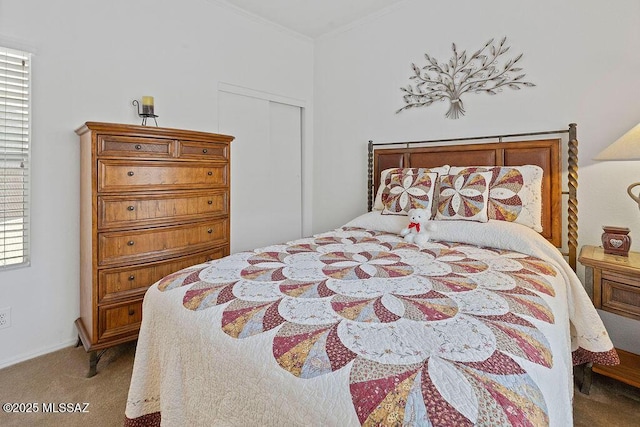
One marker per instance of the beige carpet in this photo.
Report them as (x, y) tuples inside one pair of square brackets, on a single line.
[(59, 377), (610, 403)]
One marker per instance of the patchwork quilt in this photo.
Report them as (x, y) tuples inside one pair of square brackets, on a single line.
[(357, 327)]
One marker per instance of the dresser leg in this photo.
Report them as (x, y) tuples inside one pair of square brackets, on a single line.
[(586, 378), (94, 358), (79, 342)]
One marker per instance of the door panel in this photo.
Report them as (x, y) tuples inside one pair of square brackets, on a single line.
[(266, 184)]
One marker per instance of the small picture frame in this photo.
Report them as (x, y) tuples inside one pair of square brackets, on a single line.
[(616, 240)]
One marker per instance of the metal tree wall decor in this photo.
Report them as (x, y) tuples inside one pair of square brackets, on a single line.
[(477, 73)]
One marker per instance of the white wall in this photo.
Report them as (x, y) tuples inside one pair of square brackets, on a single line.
[(92, 58), (583, 56)]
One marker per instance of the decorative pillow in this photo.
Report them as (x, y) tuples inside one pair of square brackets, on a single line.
[(385, 177), (515, 193), (464, 196), (408, 191)]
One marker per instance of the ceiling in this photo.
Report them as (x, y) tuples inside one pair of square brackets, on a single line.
[(312, 18)]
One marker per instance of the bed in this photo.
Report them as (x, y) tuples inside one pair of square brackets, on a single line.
[(481, 325)]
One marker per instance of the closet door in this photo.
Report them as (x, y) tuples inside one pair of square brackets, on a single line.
[(266, 170)]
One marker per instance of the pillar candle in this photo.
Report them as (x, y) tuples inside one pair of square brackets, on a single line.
[(147, 105)]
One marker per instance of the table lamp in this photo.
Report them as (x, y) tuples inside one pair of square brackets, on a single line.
[(627, 147)]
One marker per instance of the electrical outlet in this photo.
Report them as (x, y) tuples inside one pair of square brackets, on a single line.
[(5, 317)]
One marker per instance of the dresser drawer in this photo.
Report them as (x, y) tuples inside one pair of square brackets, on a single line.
[(137, 210), (114, 175), (200, 150), (133, 281), (127, 247), (621, 295), (129, 146), (119, 320)]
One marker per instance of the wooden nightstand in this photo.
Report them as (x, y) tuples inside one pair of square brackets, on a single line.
[(613, 281)]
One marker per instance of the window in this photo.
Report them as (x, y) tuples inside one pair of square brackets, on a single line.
[(15, 127)]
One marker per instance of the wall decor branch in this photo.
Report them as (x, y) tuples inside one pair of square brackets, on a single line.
[(481, 72)]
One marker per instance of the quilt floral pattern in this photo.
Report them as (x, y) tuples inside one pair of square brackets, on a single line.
[(464, 196), (405, 192), (432, 336)]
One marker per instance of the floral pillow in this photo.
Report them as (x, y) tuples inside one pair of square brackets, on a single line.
[(515, 193), (407, 191), (385, 178), (464, 196)]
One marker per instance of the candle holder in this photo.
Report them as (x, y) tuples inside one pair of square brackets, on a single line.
[(147, 111)]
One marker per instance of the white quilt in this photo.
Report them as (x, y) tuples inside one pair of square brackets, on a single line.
[(356, 327)]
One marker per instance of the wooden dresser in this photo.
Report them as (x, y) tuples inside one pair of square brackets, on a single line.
[(614, 283), (152, 201)]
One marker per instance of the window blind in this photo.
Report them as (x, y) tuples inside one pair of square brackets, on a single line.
[(14, 156)]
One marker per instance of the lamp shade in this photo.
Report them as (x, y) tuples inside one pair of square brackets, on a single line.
[(627, 147)]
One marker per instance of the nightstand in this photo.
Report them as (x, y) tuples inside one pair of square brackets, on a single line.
[(613, 282)]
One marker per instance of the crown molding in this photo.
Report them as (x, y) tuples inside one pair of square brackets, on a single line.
[(362, 21), (256, 18)]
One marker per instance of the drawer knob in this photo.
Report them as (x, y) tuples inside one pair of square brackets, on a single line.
[(130, 173), (132, 277), (131, 312), (131, 208), (209, 231), (209, 173), (209, 202), (138, 147), (204, 150), (130, 243)]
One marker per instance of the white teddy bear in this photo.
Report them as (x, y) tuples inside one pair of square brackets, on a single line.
[(418, 230)]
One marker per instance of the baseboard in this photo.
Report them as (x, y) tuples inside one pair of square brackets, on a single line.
[(26, 356)]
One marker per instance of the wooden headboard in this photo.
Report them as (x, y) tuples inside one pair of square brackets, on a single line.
[(520, 149)]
